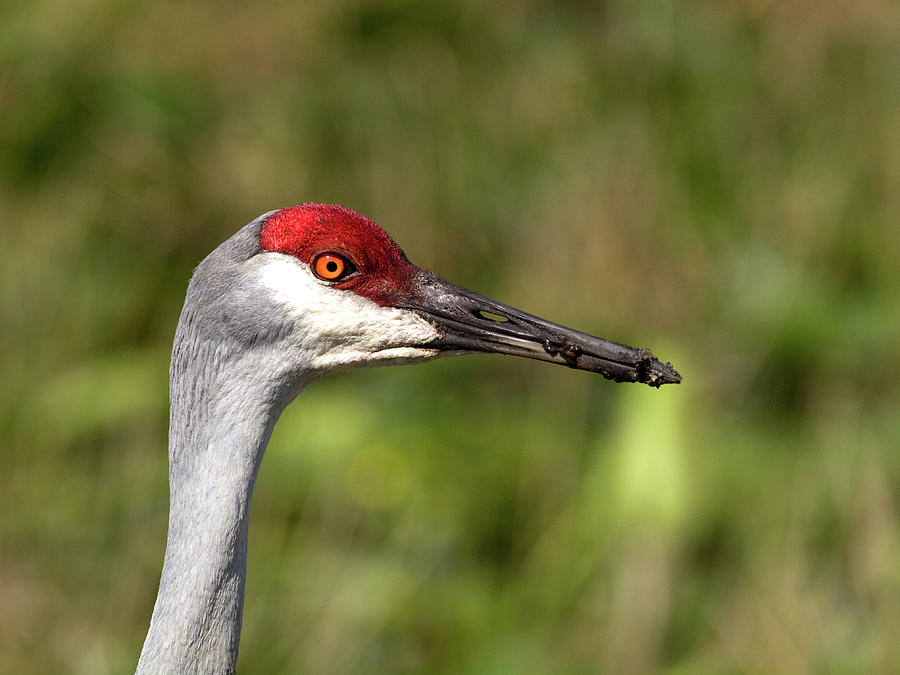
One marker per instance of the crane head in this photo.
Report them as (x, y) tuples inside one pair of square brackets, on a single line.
[(354, 299)]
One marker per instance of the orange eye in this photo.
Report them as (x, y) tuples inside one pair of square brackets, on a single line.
[(331, 266)]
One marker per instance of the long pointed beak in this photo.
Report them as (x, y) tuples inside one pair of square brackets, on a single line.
[(469, 322)]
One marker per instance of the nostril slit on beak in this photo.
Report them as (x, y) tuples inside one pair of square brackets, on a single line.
[(490, 316)]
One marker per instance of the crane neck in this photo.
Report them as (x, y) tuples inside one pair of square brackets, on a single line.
[(223, 409)]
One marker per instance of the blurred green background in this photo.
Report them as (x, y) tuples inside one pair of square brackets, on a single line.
[(719, 181)]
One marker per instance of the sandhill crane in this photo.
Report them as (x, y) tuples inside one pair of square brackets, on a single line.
[(295, 295)]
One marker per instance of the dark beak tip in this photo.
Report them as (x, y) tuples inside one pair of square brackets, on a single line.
[(653, 372), (660, 373)]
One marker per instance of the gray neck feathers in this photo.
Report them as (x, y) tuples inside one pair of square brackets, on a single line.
[(227, 389)]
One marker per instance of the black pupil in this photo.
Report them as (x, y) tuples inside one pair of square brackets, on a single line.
[(331, 266)]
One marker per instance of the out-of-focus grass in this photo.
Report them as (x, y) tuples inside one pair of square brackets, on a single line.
[(715, 180)]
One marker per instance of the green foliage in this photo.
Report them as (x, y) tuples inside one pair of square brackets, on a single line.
[(718, 181)]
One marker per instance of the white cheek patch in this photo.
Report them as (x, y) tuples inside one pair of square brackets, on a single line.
[(338, 328)]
